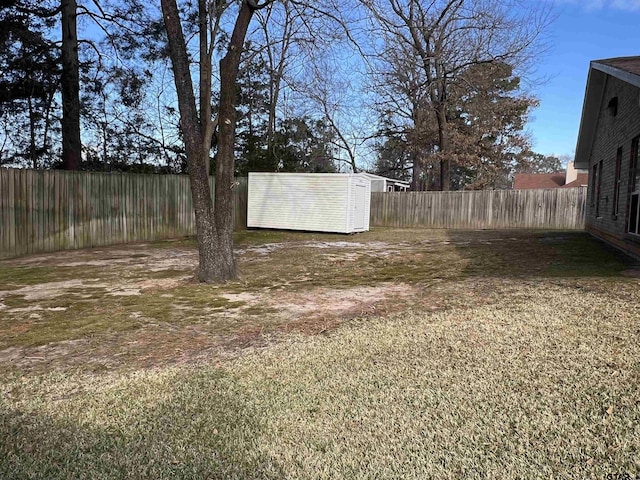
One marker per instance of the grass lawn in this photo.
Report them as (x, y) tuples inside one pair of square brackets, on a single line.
[(390, 354)]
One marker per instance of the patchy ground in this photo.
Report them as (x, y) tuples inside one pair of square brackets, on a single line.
[(137, 306), (410, 354)]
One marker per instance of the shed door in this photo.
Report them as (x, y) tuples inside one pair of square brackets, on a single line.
[(360, 210)]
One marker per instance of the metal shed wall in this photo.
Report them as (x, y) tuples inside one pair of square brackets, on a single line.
[(322, 202)]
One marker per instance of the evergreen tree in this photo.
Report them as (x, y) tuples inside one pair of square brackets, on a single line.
[(30, 70)]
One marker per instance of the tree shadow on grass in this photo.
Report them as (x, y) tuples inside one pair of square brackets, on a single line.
[(524, 254), (196, 427)]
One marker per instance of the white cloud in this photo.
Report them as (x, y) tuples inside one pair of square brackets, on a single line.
[(633, 5), (621, 5)]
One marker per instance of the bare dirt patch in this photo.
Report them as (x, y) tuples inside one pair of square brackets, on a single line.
[(44, 291), (137, 306), (115, 258), (138, 288), (328, 302)]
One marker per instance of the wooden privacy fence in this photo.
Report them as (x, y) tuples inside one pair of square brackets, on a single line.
[(46, 211), (559, 208)]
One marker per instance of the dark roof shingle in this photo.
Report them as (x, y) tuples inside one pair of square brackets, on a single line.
[(628, 64), (581, 181), (526, 181)]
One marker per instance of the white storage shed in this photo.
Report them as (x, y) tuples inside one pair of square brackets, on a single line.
[(317, 202)]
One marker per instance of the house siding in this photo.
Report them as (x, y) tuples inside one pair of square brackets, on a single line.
[(613, 132)]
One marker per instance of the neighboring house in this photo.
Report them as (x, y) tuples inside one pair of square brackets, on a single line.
[(385, 184), (608, 147), (573, 177)]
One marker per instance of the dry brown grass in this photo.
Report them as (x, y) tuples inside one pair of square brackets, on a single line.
[(459, 355), (536, 385)]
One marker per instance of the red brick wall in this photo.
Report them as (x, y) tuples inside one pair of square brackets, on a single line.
[(613, 132)]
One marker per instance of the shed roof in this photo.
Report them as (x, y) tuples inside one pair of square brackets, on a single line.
[(626, 69)]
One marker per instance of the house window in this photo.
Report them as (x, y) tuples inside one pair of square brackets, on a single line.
[(616, 184), (613, 106), (596, 184), (633, 224)]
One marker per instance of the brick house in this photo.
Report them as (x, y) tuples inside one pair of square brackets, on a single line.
[(608, 147)]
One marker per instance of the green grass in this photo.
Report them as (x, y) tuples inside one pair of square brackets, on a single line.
[(75, 316), (14, 277), (540, 384)]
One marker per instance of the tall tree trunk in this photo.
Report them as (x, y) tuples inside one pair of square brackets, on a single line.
[(276, 73), (105, 133), (443, 150), (214, 225), (274, 93), (205, 82), (420, 124), (32, 135), (193, 140), (47, 122), (229, 66), (415, 177), (275, 83), (70, 86)]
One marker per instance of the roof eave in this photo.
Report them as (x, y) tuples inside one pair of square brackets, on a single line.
[(616, 72), (596, 82), (594, 91)]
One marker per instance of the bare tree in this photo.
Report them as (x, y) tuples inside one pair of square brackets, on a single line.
[(440, 39), (214, 224), (331, 98), (280, 29), (292, 49), (403, 106)]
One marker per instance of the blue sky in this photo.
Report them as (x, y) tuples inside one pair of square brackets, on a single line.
[(583, 31)]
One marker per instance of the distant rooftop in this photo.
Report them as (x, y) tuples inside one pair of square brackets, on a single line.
[(581, 181), (373, 175), (527, 181)]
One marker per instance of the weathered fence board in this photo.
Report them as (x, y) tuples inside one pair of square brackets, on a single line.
[(45, 211), (560, 208)]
